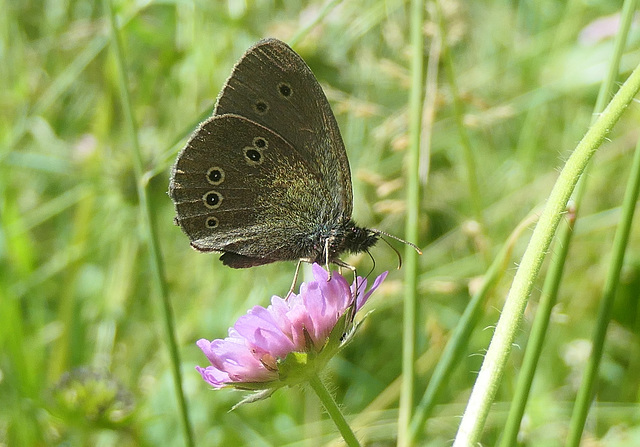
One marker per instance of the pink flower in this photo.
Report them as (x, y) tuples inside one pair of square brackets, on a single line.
[(290, 339)]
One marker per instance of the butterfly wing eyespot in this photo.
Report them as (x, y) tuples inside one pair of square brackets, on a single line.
[(253, 155), (285, 90), (260, 143), (212, 222), (215, 175), (212, 199), (261, 107)]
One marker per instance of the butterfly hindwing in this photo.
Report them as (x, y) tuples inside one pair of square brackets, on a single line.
[(240, 188)]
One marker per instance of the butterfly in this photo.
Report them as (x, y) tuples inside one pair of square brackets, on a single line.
[(266, 178)]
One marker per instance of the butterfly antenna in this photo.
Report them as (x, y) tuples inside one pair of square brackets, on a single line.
[(410, 244), (394, 249), (414, 246), (374, 264)]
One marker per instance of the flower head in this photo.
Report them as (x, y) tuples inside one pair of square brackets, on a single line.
[(282, 344), (92, 398)]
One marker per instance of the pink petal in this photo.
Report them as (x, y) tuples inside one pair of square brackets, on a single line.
[(363, 297)]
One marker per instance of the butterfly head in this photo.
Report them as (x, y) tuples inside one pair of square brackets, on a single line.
[(358, 239)]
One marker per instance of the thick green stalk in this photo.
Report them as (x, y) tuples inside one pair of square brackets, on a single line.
[(538, 332), (563, 242), (334, 411), (455, 347), (495, 360), (411, 231), (155, 257)]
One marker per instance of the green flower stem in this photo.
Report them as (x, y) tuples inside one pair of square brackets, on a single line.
[(411, 230), (155, 258), (620, 241), (490, 374), (334, 412), (455, 347), (554, 276)]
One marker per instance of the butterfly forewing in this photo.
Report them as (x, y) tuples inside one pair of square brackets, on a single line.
[(272, 85)]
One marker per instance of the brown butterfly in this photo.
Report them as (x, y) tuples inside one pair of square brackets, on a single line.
[(267, 178)]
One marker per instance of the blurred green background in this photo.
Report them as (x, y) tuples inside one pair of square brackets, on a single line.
[(83, 352)]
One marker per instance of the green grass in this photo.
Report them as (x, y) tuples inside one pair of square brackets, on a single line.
[(79, 291)]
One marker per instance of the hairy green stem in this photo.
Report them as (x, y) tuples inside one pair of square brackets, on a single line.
[(334, 411), (455, 347), (554, 276), (495, 360), (538, 333)]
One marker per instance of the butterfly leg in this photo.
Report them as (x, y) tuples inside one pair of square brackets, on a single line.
[(352, 307), (295, 275), (341, 264), (326, 258)]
